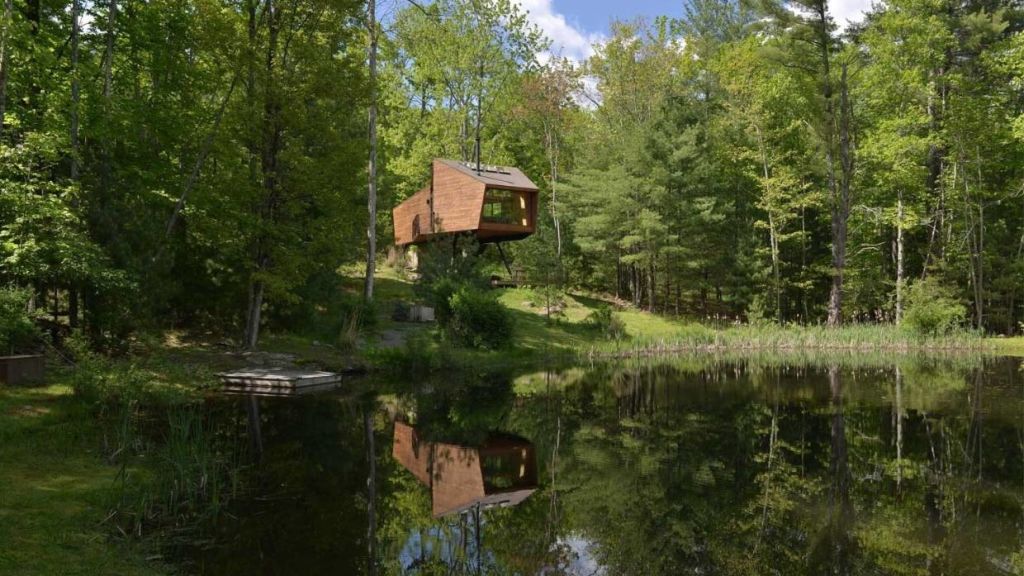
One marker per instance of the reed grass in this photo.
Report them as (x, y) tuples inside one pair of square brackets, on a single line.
[(766, 337)]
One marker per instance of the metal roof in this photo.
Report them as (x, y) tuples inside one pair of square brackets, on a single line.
[(494, 176)]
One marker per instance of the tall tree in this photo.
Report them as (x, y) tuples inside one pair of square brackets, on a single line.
[(371, 227)]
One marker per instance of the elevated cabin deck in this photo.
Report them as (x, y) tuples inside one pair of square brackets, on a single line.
[(496, 203)]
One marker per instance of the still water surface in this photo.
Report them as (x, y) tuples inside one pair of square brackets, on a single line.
[(699, 466)]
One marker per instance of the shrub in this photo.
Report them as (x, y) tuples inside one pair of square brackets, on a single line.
[(17, 331), (606, 323), (440, 298), (478, 320), (932, 309)]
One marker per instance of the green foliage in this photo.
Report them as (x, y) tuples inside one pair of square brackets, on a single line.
[(478, 320), (933, 309), (18, 333), (607, 324)]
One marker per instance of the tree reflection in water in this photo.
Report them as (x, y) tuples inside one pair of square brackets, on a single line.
[(897, 466)]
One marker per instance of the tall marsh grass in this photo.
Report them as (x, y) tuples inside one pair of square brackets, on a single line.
[(175, 469), (769, 337)]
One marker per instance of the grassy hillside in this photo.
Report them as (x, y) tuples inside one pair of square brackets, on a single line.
[(545, 328)]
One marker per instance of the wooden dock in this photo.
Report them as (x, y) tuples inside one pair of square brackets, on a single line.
[(278, 381)]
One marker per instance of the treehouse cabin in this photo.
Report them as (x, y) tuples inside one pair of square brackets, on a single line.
[(501, 472), (495, 204)]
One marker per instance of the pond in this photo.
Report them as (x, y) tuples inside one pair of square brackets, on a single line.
[(684, 466)]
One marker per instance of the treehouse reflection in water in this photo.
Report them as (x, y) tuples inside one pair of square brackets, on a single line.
[(838, 464), (500, 472)]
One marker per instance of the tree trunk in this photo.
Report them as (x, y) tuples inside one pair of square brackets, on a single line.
[(34, 15), (839, 493), (773, 237), (72, 308), (76, 12), (841, 205), (252, 317), (772, 437), (371, 201), (271, 146), (651, 287), (252, 410), (936, 163), (5, 26), (371, 486), (824, 41), (899, 428), (553, 149), (899, 259), (108, 82)]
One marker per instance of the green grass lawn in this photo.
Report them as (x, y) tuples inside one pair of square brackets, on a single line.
[(1009, 346), (568, 330), (568, 334), (55, 491)]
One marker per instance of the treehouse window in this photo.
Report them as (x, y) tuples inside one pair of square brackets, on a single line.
[(506, 470), (505, 207)]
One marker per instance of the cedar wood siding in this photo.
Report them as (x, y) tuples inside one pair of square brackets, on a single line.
[(458, 196), (458, 199), (405, 214)]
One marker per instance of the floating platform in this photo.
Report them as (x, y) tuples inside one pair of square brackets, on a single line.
[(278, 381)]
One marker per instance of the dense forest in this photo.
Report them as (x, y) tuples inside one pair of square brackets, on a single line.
[(205, 163)]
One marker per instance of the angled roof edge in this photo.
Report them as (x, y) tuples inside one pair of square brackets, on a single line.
[(493, 176)]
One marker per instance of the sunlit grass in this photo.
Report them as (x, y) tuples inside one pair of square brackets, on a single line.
[(1008, 346)]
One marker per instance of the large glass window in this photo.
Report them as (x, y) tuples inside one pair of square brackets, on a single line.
[(505, 207)]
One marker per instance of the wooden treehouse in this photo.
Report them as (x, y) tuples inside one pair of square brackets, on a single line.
[(501, 472), (494, 203)]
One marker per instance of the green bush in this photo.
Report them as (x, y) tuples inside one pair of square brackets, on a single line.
[(606, 323), (440, 298), (478, 320), (932, 309), (17, 331)]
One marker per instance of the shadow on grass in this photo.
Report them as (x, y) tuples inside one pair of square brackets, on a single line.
[(54, 489)]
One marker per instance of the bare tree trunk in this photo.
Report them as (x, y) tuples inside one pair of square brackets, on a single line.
[(899, 259), (5, 26), (371, 201)]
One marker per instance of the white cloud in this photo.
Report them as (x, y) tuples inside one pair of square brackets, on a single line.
[(566, 39), (846, 12)]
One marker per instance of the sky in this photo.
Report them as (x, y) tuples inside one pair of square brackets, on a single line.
[(575, 25)]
